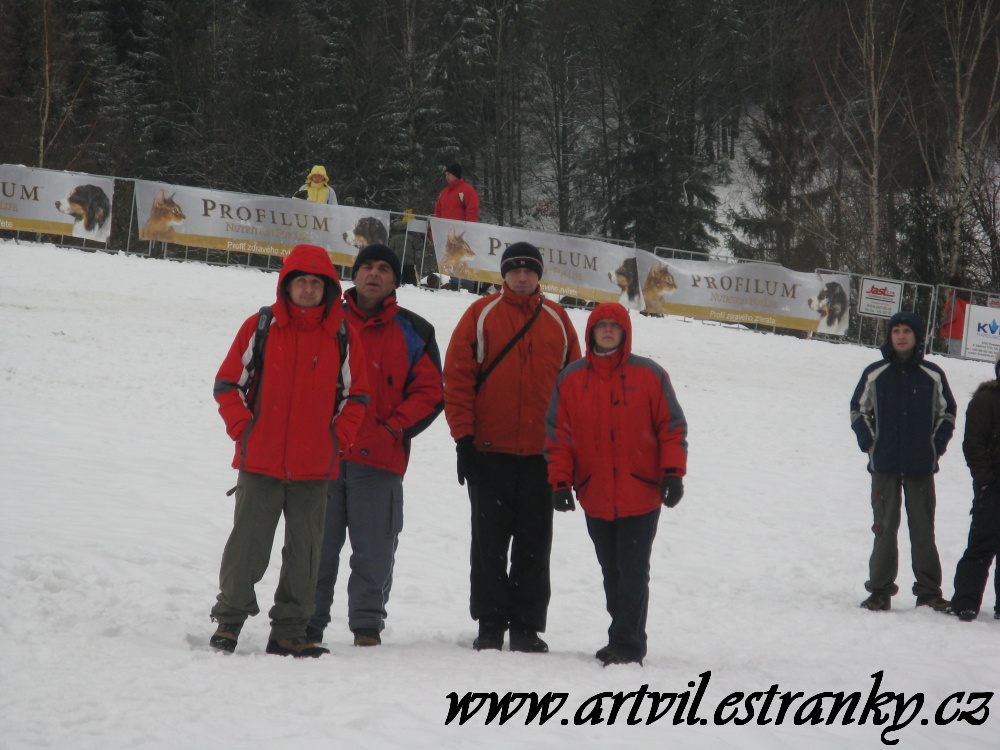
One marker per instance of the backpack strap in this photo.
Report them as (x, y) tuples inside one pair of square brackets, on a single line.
[(264, 318)]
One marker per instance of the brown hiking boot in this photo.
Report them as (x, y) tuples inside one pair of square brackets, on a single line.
[(225, 637), (933, 601), (299, 647), (367, 637), (877, 602)]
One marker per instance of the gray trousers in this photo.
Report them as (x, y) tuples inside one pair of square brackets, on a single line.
[(365, 503), (888, 491), (260, 502)]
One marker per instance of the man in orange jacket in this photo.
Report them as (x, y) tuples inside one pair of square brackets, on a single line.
[(292, 415), (495, 396)]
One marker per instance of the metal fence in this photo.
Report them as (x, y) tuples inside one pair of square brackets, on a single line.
[(930, 303), (870, 329)]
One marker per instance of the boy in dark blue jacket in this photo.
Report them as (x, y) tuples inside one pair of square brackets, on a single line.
[(903, 414)]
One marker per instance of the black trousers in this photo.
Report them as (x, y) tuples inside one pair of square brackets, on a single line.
[(623, 549), (511, 510), (973, 569)]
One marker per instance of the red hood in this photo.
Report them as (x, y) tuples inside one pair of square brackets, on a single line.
[(314, 260), (610, 311)]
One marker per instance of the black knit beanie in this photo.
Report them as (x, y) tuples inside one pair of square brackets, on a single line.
[(521, 255), (455, 169), (379, 252)]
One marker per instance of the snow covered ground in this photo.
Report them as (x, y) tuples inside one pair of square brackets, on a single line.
[(113, 470)]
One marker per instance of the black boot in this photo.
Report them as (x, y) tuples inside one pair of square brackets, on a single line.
[(225, 637), (490, 637), (523, 639), (299, 647)]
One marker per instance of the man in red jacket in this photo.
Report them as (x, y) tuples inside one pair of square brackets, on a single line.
[(616, 433), (460, 201), (502, 362), (366, 499), (291, 414)]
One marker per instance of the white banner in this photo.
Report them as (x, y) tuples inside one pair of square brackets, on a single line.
[(50, 202), (242, 223), (982, 333), (879, 298), (749, 293), (573, 266)]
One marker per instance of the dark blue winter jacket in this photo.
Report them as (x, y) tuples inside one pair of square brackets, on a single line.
[(902, 411)]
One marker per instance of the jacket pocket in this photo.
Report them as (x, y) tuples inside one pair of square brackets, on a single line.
[(644, 480)]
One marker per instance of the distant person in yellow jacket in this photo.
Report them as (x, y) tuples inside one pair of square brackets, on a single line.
[(317, 188)]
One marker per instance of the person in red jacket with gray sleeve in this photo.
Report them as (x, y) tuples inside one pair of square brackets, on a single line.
[(292, 415), (616, 433)]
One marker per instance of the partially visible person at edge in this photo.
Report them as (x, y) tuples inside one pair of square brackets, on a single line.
[(617, 435), (290, 422), (411, 248), (366, 499), (317, 188), (498, 421), (982, 453), (903, 415), (953, 319), (460, 201)]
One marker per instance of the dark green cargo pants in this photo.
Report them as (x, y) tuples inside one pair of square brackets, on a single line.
[(888, 491), (260, 502)]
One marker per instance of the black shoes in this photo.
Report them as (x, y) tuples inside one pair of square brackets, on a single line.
[(877, 602), (299, 647), (609, 657), (367, 637), (225, 637), (490, 637), (965, 615), (933, 601), (528, 642)]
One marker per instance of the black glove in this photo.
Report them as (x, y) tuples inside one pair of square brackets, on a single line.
[(562, 499), (470, 461), (671, 490)]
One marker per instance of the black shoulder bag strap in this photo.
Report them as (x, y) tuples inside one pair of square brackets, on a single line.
[(264, 318), (483, 374)]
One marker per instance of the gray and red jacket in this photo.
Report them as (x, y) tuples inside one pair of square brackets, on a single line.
[(614, 427), (404, 375)]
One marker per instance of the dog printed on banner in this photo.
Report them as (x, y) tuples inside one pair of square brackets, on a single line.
[(833, 305), (90, 208), (367, 231), (626, 278)]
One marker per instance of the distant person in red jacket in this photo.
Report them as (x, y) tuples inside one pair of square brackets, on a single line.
[(460, 201), (292, 415), (616, 433), (953, 320)]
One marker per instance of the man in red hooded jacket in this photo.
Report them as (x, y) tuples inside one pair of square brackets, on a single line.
[(291, 420), (615, 432)]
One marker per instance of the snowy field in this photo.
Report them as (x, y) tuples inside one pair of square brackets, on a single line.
[(113, 516)]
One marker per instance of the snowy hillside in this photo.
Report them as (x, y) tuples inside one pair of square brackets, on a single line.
[(114, 466)]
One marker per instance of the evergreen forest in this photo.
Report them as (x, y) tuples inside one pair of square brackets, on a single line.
[(857, 135)]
